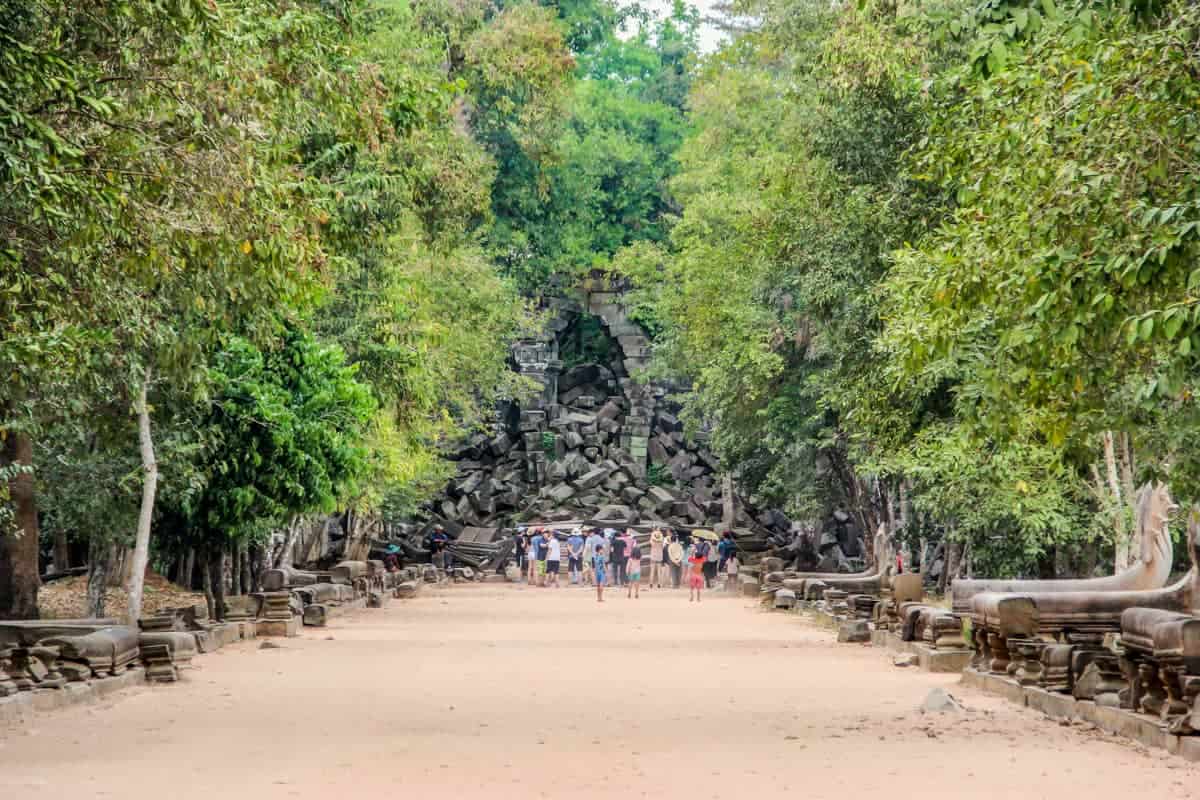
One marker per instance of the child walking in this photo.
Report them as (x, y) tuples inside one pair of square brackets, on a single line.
[(598, 569), (697, 559), (633, 572), (731, 572)]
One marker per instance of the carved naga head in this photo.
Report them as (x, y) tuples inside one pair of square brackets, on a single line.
[(1154, 509)]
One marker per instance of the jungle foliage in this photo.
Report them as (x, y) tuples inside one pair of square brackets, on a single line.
[(935, 258)]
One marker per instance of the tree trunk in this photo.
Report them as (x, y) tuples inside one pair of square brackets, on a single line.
[(141, 545), (19, 580), (62, 551), (727, 512), (187, 571), (235, 570), (99, 561), (116, 566), (258, 564), (1128, 469), (206, 582), (246, 581), (1120, 535), (284, 557), (950, 567), (217, 578)]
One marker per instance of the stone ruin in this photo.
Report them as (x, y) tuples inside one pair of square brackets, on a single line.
[(601, 443), (861, 605), (1128, 642), (1084, 610), (856, 593), (595, 442), (51, 655)]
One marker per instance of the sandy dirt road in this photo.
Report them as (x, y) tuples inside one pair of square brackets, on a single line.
[(515, 692)]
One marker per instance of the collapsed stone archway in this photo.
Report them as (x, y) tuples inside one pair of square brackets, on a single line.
[(598, 442)]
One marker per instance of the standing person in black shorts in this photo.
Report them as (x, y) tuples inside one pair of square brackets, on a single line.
[(553, 558), (575, 556), (618, 559), (520, 542)]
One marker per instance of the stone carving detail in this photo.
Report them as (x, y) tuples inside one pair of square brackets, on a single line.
[(1154, 507), (1162, 660), (47, 654), (1084, 617), (872, 582)]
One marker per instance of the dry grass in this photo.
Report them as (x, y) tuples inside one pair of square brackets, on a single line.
[(67, 598)]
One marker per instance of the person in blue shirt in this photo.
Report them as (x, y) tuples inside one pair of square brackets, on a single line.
[(723, 546), (575, 556), (594, 540), (598, 567)]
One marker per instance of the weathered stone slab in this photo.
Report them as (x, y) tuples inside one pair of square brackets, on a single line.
[(316, 615), (279, 627), (165, 653), (854, 631), (590, 479), (561, 493), (408, 589)]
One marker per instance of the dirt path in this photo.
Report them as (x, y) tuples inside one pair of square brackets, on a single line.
[(499, 692)]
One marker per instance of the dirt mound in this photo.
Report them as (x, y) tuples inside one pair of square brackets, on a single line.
[(68, 597)]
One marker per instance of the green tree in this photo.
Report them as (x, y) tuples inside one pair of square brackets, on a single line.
[(287, 434)]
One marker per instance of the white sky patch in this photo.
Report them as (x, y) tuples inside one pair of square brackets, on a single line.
[(710, 37)]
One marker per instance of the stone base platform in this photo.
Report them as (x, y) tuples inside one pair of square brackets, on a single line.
[(928, 658), (14, 707), (279, 627), (1118, 721), (223, 633), (332, 611), (821, 616)]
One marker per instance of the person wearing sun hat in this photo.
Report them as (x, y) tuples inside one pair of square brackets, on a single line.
[(575, 556), (657, 548)]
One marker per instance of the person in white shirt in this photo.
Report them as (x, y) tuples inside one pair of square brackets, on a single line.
[(593, 540), (553, 558)]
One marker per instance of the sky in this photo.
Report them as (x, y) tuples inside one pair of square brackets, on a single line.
[(710, 37)]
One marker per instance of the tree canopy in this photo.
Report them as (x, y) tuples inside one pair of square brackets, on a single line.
[(930, 263)]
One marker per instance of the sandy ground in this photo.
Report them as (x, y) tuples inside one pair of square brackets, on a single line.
[(503, 691)]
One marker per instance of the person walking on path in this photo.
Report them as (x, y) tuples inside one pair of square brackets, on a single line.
[(618, 559), (677, 562), (543, 550), (599, 571), (731, 572), (531, 556), (656, 558), (520, 543), (553, 559), (710, 566), (726, 546), (697, 559), (575, 557), (633, 572), (595, 539)]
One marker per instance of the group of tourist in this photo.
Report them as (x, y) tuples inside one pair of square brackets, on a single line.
[(604, 558)]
